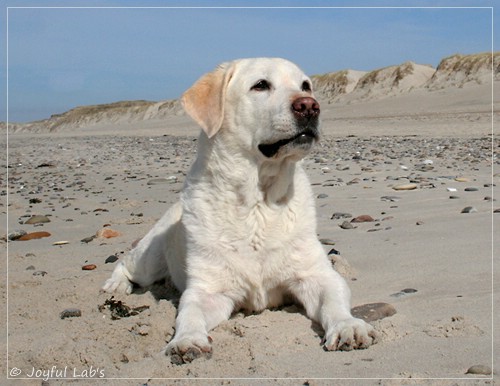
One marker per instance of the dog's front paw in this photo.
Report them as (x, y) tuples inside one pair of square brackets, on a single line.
[(186, 349), (350, 334), (118, 282)]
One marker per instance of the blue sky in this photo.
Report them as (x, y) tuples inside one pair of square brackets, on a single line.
[(60, 58)]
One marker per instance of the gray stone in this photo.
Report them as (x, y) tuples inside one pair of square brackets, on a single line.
[(373, 311)]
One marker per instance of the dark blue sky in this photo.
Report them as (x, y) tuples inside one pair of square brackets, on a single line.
[(60, 58)]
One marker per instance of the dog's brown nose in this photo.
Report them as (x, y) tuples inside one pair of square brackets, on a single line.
[(305, 107)]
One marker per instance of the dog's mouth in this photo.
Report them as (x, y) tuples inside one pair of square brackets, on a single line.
[(302, 139)]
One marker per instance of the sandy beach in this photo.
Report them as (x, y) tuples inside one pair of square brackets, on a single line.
[(426, 252)]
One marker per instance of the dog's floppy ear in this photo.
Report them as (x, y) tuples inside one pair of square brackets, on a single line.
[(204, 101)]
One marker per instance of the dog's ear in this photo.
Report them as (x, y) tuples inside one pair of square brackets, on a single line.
[(204, 101)]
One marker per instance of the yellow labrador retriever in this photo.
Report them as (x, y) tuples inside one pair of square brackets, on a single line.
[(243, 235)]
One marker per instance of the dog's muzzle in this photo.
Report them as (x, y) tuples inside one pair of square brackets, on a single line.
[(306, 113)]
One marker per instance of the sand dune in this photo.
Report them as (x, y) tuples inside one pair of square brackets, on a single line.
[(347, 86)]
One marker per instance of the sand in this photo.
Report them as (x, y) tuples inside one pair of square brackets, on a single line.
[(421, 254)]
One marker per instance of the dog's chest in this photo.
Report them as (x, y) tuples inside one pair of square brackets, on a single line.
[(264, 227)]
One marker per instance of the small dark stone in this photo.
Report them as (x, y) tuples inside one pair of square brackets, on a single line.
[(469, 209), (40, 273), (88, 239), (322, 195), (111, 259), (70, 313), (333, 251), (339, 215), (409, 290), (390, 198), (471, 189), (14, 235)]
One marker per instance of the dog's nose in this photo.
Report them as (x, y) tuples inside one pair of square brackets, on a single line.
[(305, 107)]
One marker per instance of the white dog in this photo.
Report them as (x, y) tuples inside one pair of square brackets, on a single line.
[(243, 235)]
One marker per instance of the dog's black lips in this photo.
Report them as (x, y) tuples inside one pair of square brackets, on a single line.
[(269, 150)]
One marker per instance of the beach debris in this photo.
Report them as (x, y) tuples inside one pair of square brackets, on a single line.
[(40, 273), (89, 267), (327, 241), (119, 309)]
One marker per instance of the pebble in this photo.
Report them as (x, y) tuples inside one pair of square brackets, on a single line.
[(160, 181), (33, 236), (462, 179), (327, 241), (70, 313), (63, 242), (322, 195), (403, 292), (405, 187), (363, 218), (14, 235), (390, 198), (339, 215), (37, 220), (471, 189), (479, 369), (89, 267), (469, 209), (107, 233), (453, 197), (111, 259), (347, 225), (40, 273), (451, 189), (373, 311), (88, 239)]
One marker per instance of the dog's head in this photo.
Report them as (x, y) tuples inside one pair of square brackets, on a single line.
[(264, 106)]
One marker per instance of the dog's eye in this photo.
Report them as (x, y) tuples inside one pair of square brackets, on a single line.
[(306, 86), (261, 85)]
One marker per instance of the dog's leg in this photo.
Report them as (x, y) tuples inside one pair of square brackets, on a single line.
[(147, 262), (326, 299), (199, 312)]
